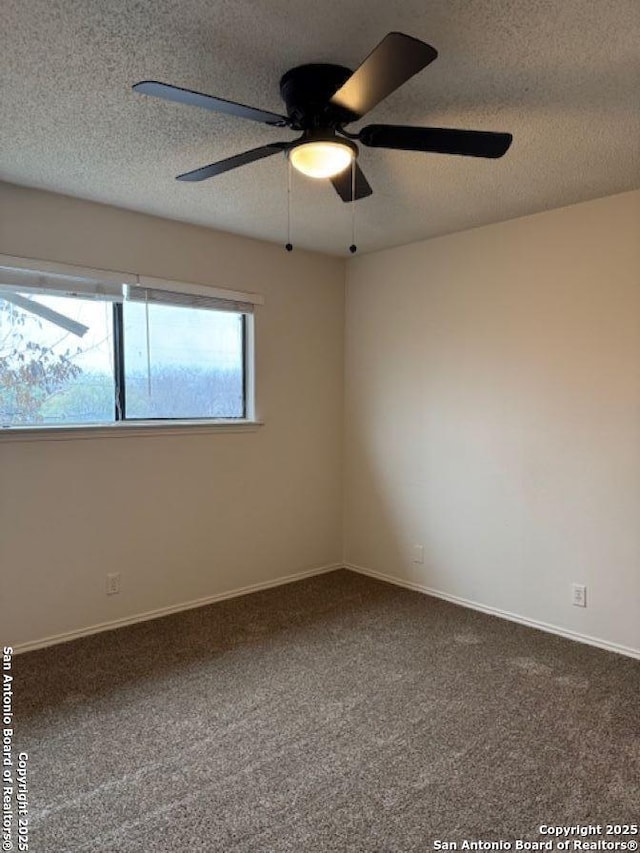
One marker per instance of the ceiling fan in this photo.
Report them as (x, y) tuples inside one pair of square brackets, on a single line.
[(321, 99)]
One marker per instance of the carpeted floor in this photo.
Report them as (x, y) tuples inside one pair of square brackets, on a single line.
[(334, 714)]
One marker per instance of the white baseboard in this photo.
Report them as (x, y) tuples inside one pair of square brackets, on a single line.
[(173, 608), (298, 576), (495, 611)]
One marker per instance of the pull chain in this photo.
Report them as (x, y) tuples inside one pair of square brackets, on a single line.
[(289, 245), (353, 248)]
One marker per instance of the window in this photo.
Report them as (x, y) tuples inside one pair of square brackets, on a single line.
[(182, 362), (83, 347)]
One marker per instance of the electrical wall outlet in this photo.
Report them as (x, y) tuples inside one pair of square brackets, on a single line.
[(418, 554), (113, 583), (579, 595)]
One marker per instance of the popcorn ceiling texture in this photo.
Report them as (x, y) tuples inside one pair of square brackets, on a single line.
[(563, 77)]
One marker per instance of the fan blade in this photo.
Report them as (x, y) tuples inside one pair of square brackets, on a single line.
[(468, 143), (343, 183), (208, 102), (397, 58), (232, 162)]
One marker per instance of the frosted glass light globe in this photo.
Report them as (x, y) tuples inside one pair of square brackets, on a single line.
[(321, 159)]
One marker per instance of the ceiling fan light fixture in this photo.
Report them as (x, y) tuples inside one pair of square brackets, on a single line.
[(322, 158), (320, 99)]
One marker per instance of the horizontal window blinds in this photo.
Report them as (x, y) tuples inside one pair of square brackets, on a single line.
[(187, 300), (18, 280), (149, 289), (21, 275)]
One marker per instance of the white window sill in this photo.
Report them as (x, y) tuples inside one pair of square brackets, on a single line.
[(125, 429)]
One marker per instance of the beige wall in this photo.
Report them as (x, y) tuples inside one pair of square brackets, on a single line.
[(181, 516), (493, 415)]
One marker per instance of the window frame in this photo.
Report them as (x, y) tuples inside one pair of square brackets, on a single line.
[(121, 425)]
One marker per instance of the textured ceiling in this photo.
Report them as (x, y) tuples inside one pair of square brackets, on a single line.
[(562, 75)]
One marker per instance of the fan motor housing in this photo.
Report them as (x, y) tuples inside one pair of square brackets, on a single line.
[(306, 91)]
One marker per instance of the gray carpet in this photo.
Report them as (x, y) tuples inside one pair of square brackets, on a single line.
[(334, 714)]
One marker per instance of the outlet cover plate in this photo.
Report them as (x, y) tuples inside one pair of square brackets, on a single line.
[(579, 595), (113, 583)]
